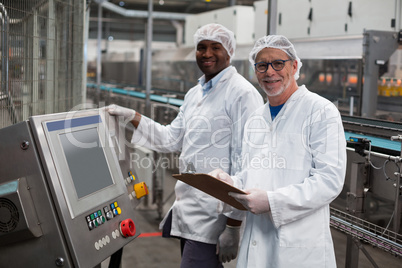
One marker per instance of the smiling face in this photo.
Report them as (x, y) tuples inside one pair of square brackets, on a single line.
[(211, 58), (278, 85)]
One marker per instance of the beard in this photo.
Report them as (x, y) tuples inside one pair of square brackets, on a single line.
[(271, 92)]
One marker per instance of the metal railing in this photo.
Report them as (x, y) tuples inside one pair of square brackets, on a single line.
[(373, 234)]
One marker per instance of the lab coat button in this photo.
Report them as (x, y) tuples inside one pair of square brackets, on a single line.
[(254, 243)]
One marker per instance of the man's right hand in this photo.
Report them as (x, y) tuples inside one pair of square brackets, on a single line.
[(255, 200), (126, 113)]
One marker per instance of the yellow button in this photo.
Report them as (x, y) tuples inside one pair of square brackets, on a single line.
[(118, 210), (115, 204)]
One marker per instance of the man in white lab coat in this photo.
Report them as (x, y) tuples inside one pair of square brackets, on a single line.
[(208, 132), (294, 162)]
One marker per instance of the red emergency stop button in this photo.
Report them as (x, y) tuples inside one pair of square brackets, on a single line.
[(127, 228)]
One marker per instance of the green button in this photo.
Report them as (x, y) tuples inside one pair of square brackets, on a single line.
[(92, 217), (99, 213)]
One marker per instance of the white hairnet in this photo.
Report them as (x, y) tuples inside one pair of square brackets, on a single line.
[(218, 33), (278, 42)]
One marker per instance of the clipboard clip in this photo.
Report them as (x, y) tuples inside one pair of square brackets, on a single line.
[(190, 168)]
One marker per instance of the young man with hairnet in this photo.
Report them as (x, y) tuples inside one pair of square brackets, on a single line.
[(294, 162), (208, 132)]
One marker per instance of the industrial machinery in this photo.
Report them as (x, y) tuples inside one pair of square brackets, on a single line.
[(64, 201), (369, 208)]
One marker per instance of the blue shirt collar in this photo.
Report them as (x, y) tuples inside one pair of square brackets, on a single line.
[(206, 87)]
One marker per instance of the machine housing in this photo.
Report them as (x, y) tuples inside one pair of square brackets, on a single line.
[(63, 199)]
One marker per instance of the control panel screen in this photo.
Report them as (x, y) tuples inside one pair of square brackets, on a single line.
[(86, 161), (81, 161)]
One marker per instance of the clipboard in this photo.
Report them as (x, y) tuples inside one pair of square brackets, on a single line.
[(212, 186)]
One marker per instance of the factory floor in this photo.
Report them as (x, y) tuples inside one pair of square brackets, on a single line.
[(152, 251)]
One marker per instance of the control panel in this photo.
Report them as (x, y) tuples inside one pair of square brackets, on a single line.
[(62, 184)]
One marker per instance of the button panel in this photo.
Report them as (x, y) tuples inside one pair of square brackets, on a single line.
[(97, 218)]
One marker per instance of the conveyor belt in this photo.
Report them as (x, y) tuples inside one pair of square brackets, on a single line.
[(140, 95), (372, 122), (372, 127), (379, 132), (377, 142)]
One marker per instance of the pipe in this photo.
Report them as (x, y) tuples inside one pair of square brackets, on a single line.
[(141, 14), (351, 105), (99, 55), (272, 17), (398, 6), (149, 60), (398, 198), (179, 32)]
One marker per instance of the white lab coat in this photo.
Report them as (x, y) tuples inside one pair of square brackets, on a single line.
[(300, 160), (208, 131)]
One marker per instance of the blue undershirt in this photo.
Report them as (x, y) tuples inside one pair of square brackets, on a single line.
[(275, 110)]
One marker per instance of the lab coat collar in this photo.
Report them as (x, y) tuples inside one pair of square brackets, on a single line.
[(299, 93), (228, 72), (214, 80), (219, 78)]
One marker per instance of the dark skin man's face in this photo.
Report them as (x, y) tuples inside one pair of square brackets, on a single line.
[(211, 58)]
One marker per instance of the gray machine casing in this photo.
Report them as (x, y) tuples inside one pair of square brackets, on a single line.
[(39, 226)]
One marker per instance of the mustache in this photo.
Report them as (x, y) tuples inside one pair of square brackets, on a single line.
[(270, 80)]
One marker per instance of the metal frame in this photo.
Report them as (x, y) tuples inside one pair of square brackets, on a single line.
[(375, 235), (43, 67), (5, 93), (378, 46)]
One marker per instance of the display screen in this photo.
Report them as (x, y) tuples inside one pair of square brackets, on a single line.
[(86, 161)]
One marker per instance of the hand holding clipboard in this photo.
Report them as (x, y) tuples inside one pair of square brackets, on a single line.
[(212, 186)]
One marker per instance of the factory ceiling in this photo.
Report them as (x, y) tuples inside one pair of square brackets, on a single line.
[(126, 19), (181, 6)]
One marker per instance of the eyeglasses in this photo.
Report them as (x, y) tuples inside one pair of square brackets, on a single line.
[(277, 65)]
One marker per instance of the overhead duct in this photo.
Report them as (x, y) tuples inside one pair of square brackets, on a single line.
[(179, 29), (139, 13)]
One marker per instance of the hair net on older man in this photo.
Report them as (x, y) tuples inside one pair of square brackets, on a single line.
[(218, 33), (278, 42)]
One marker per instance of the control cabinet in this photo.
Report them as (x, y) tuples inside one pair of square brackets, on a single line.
[(64, 201)]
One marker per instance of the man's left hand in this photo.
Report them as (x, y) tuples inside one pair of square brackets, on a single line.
[(228, 243)]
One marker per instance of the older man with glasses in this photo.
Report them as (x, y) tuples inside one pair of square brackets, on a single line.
[(294, 156)]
